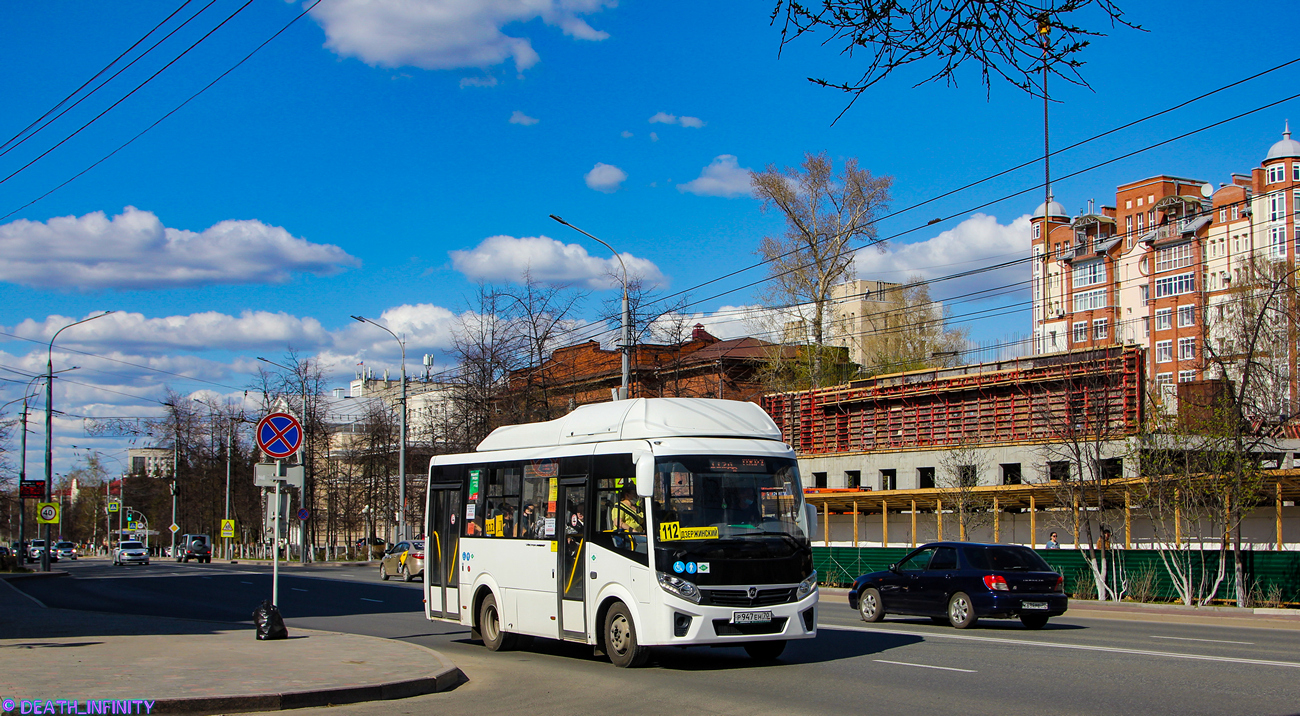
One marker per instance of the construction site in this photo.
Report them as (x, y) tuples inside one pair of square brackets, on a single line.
[(885, 459)]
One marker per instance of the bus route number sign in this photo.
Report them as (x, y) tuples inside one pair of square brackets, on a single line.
[(673, 531)]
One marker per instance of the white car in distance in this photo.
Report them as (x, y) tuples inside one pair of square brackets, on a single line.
[(130, 552)]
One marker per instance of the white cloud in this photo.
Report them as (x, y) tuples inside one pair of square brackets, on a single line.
[(195, 331), (133, 250), (974, 242), (625, 134), (506, 258), (605, 177), (488, 81), (665, 118), (654, 136), (520, 118), (445, 34), (722, 177)]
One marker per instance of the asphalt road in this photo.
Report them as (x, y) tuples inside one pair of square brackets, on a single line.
[(1074, 666)]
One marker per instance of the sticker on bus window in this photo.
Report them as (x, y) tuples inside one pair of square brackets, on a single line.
[(703, 567), (473, 484), (498, 525), (673, 531), (554, 493), (469, 512), (550, 527)]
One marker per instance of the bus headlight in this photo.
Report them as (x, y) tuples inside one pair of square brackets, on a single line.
[(807, 586), (679, 587)]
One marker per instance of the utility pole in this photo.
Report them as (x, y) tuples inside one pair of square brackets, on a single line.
[(626, 333), (22, 501)]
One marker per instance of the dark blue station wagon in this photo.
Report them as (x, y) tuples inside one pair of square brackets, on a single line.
[(961, 582)]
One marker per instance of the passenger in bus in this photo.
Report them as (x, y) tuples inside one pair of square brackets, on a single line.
[(507, 521), (628, 513), (526, 527), (746, 510)]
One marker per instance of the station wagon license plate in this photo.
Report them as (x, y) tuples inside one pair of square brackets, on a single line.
[(762, 617), (1033, 605)]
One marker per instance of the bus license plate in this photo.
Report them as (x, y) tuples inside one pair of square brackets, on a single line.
[(1033, 605), (763, 617)]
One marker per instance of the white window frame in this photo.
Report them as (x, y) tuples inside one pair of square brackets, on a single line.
[(1174, 257), (1175, 285), (1079, 332), (1186, 315), (1223, 214), (1276, 173), (1186, 376), (1100, 329), (1164, 319), (1277, 242), (1165, 351), (1088, 274), (1277, 206), (1089, 300), (1187, 348)]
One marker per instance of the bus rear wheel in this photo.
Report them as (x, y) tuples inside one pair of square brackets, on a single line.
[(620, 638), (489, 625), (765, 650)]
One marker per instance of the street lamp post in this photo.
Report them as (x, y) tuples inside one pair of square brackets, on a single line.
[(302, 459), (49, 429), (627, 319), (401, 455)]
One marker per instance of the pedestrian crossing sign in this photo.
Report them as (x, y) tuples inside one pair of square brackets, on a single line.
[(227, 528)]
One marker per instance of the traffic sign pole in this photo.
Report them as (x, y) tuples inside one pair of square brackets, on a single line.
[(275, 563)]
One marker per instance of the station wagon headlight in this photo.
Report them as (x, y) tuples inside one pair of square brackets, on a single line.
[(679, 587), (807, 586)]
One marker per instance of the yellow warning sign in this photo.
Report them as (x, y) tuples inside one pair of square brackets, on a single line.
[(227, 528)]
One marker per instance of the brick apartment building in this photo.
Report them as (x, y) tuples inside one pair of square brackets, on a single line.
[(1159, 264)]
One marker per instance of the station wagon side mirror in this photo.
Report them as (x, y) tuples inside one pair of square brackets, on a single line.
[(645, 475), (893, 567)]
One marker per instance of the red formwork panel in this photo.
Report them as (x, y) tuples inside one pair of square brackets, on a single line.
[(1029, 399)]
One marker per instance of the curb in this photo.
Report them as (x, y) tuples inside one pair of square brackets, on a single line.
[(446, 678)]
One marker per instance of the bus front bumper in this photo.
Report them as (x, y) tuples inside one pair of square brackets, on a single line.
[(695, 624)]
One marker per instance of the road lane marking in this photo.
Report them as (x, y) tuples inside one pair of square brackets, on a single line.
[(1212, 641), (925, 666), (1077, 647), (372, 600)]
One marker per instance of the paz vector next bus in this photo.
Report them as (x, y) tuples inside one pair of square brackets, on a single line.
[(625, 525)]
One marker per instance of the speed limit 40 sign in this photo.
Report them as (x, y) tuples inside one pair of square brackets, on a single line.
[(47, 512)]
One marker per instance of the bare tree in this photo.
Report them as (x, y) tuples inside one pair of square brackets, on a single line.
[(825, 213), (959, 471), (1011, 39), (487, 350), (542, 317)]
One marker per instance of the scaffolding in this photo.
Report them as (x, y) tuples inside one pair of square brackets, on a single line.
[(1022, 400)]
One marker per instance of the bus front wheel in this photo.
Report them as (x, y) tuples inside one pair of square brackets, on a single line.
[(489, 625), (620, 638)]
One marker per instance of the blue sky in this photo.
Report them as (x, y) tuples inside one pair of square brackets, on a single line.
[(343, 167)]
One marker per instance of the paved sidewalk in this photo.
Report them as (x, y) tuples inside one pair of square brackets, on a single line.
[(1171, 613), (197, 667)]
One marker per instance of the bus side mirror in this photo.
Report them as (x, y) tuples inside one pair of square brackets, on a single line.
[(645, 475), (810, 514)]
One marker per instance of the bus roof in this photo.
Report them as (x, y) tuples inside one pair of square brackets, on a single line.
[(640, 419)]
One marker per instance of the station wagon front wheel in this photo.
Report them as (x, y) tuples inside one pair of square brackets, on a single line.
[(869, 605)]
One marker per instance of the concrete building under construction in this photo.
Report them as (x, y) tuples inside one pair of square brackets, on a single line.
[(898, 432)]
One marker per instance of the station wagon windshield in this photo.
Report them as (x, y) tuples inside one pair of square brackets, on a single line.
[(722, 497)]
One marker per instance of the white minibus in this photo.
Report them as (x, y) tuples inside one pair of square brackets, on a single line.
[(625, 525)]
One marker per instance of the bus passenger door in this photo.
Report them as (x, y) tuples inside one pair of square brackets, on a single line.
[(442, 549), (571, 538)]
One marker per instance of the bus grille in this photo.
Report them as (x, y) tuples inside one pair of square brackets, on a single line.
[(740, 598)]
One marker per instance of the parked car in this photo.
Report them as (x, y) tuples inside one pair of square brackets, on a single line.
[(405, 560), (4, 551), (35, 548), (961, 582), (130, 552), (65, 550), (197, 547), (377, 546)]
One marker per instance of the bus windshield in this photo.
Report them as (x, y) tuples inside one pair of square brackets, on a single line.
[(710, 497)]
